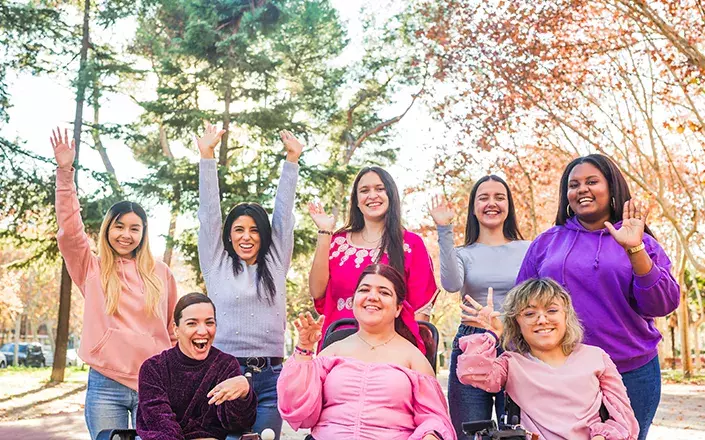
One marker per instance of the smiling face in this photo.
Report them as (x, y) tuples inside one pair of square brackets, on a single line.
[(375, 301), (589, 194), (125, 234), (372, 199), (491, 205), (245, 238), (543, 326), (195, 331)]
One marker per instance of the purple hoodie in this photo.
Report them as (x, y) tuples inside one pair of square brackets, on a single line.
[(615, 306)]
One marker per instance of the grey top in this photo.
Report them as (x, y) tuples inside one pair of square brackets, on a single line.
[(472, 269), (247, 325)]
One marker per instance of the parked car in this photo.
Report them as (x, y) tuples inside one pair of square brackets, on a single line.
[(3, 360), (28, 354)]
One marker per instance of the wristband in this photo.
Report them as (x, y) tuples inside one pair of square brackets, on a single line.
[(321, 231), (303, 351), (496, 338), (635, 249)]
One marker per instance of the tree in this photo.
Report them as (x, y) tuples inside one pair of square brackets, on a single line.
[(614, 77)]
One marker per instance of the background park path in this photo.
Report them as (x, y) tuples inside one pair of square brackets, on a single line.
[(31, 409)]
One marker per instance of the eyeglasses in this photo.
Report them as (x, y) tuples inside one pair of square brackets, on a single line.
[(552, 314)]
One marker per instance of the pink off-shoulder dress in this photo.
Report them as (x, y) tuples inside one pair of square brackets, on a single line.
[(345, 398)]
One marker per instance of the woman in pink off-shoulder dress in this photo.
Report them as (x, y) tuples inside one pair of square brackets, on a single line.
[(374, 384)]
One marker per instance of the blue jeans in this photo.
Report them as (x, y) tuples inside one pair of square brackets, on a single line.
[(265, 385), (109, 404), (644, 391), (466, 402)]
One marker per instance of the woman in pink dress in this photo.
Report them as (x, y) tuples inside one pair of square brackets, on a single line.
[(373, 234), (558, 382), (373, 384)]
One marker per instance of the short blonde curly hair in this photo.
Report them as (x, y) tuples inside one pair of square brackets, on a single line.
[(540, 291)]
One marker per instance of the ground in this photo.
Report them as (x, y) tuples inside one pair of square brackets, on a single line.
[(32, 409)]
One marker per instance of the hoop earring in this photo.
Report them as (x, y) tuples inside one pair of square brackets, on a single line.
[(567, 210), (612, 202)]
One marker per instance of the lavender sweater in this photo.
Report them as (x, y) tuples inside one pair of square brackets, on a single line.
[(615, 306), (247, 325), (173, 402)]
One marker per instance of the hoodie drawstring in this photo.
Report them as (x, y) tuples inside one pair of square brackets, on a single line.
[(570, 248), (124, 279), (596, 264)]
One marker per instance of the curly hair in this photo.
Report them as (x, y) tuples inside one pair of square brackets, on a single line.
[(541, 291)]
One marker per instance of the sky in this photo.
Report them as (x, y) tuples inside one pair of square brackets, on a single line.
[(40, 103)]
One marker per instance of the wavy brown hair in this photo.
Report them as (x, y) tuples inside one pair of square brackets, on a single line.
[(540, 291)]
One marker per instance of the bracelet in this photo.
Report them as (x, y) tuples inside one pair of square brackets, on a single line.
[(321, 231), (303, 351), (496, 338), (635, 249)]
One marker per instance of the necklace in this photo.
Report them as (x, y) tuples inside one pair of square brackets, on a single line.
[(372, 347), (362, 235)]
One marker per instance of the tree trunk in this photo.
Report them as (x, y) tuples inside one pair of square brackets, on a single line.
[(175, 209), (62, 330), (683, 326), (98, 144), (227, 97)]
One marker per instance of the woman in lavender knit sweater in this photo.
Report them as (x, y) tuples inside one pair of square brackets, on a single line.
[(244, 261), (193, 391)]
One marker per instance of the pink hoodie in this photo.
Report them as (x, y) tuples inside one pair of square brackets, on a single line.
[(115, 345)]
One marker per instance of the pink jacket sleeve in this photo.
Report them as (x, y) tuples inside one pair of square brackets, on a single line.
[(622, 424), (300, 391), (420, 279), (479, 365), (72, 239), (430, 409)]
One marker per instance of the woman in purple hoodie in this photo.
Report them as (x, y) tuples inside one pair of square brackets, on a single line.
[(618, 275)]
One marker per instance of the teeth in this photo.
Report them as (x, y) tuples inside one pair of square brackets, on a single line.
[(544, 330), (246, 246), (584, 199)]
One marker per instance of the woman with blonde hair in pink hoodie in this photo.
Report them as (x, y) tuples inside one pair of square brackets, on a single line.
[(129, 296)]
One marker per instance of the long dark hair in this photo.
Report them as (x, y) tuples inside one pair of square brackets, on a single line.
[(399, 284), (188, 300), (393, 237), (617, 184), (472, 226), (265, 281)]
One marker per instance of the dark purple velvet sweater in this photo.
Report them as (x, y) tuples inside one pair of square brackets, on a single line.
[(173, 402)]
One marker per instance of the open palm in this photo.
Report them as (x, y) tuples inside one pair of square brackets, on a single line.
[(631, 233), (64, 152), (441, 211), (209, 140), (322, 220), (309, 329)]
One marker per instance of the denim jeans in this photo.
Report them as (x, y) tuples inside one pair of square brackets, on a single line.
[(644, 391), (466, 402), (109, 404), (265, 385)]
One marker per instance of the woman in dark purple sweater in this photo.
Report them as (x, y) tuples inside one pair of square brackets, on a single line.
[(193, 391)]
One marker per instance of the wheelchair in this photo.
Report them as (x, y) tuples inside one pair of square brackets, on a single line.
[(131, 434), (509, 426), (343, 328)]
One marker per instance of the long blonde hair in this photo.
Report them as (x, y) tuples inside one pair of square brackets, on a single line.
[(542, 291), (143, 258)]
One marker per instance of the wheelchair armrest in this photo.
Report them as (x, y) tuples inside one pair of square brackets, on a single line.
[(117, 434)]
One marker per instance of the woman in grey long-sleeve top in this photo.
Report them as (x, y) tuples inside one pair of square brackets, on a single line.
[(490, 257), (244, 263)]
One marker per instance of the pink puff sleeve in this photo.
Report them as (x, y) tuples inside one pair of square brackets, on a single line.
[(479, 365), (420, 279), (430, 409), (622, 424), (300, 391)]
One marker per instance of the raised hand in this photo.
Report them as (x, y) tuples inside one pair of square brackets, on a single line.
[(322, 220), (482, 317), (440, 211), (208, 141), (309, 329), (64, 154), (631, 233), (229, 389), (292, 145)]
